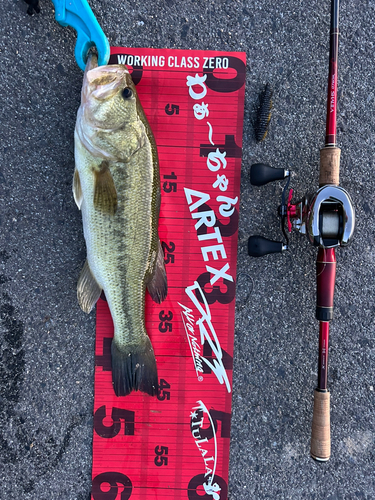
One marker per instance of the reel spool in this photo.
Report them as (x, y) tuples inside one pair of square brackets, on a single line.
[(330, 218), (326, 217)]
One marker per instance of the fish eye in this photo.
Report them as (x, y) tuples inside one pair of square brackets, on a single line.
[(127, 93)]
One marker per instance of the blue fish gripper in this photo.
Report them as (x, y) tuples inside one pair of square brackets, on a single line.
[(78, 15)]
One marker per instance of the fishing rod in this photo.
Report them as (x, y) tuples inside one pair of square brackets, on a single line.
[(327, 218)]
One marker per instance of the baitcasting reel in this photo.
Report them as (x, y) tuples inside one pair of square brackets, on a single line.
[(326, 217)]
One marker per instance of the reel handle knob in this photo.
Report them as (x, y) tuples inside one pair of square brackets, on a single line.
[(258, 246), (261, 174)]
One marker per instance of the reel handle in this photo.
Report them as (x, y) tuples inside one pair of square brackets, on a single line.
[(261, 174), (258, 246)]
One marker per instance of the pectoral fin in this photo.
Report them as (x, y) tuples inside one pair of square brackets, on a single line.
[(88, 290), (158, 286), (105, 194), (77, 190)]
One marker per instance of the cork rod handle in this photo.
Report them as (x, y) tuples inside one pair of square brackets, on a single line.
[(320, 432), (329, 172)]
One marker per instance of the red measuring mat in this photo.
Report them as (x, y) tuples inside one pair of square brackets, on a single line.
[(176, 445)]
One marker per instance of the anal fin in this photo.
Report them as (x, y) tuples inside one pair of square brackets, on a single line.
[(158, 286), (88, 290), (105, 194)]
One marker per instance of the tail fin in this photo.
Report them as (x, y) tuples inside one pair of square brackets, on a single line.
[(134, 368)]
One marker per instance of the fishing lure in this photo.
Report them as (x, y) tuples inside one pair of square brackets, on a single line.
[(264, 113)]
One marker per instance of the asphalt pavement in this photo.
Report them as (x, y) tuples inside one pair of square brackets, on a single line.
[(47, 343)]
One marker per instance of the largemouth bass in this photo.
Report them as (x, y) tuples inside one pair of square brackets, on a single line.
[(116, 185)]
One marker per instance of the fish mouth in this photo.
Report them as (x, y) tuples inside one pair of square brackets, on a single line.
[(102, 82), (91, 63)]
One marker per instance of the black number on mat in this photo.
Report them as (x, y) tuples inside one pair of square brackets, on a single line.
[(118, 414), (116, 480), (227, 85), (162, 394), (172, 109), (216, 295), (218, 486), (165, 325), (230, 147), (160, 460), (168, 252)]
